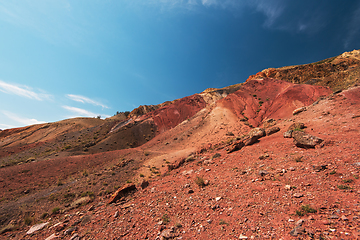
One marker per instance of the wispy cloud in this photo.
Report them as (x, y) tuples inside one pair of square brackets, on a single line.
[(353, 27), (53, 20), (271, 9), (80, 112), (22, 91), (82, 99), (6, 126), (21, 120)]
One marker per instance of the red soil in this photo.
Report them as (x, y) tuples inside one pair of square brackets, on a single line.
[(241, 198)]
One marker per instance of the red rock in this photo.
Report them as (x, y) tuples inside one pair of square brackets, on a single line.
[(121, 192)]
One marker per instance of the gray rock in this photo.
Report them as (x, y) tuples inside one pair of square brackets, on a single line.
[(272, 130), (254, 135), (288, 134), (298, 195), (36, 227), (297, 125), (298, 230), (263, 173), (75, 237), (304, 140)]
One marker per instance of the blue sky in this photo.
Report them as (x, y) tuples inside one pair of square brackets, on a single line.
[(61, 59)]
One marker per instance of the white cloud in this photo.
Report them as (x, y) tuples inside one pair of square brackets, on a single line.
[(23, 91), (6, 126), (82, 99), (80, 112), (22, 120)]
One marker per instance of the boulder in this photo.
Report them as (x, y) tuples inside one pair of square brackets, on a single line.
[(80, 202), (272, 130), (253, 136), (269, 123), (305, 140), (235, 146), (299, 110), (122, 192), (296, 125)]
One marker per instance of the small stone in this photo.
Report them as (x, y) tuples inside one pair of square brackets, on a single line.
[(319, 168), (263, 173), (168, 234), (298, 195), (91, 208), (116, 214), (291, 168), (332, 229), (266, 155), (325, 222), (59, 226), (36, 227), (243, 237), (287, 187), (51, 237), (344, 218), (298, 230), (300, 222), (144, 184), (288, 134), (75, 237), (190, 191), (69, 231), (218, 198)]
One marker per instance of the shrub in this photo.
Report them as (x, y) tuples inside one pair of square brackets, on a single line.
[(304, 210), (222, 222), (55, 210), (165, 218), (28, 220), (343, 187), (308, 209), (300, 213), (200, 181), (216, 155), (87, 193)]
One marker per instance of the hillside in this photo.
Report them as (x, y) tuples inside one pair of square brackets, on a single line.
[(274, 157)]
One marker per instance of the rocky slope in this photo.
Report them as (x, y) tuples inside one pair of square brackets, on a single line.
[(267, 159), (338, 72)]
